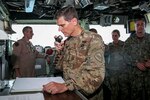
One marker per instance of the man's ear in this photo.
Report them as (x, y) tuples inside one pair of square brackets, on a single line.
[(74, 21)]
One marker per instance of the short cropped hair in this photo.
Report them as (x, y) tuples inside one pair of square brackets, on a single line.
[(143, 19), (68, 12), (116, 31), (25, 29), (138, 17), (93, 30)]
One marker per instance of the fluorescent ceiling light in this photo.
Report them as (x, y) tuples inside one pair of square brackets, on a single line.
[(101, 6), (29, 5)]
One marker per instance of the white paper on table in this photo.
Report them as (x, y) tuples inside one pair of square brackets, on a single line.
[(35, 96), (33, 84)]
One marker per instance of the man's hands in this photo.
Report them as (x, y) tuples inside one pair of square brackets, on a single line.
[(55, 88), (59, 46), (143, 65), (147, 64)]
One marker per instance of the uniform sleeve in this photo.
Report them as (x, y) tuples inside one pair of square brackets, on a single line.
[(127, 53), (58, 60), (92, 71), (17, 47)]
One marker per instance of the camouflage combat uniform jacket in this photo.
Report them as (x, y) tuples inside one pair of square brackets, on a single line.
[(83, 62), (138, 50), (115, 59), (116, 78)]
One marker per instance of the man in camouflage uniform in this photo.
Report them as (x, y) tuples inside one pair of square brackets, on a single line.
[(137, 50), (24, 55), (82, 58)]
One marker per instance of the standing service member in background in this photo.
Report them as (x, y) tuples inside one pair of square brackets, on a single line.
[(24, 55), (137, 57), (93, 30), (116, 71), (82, 57)]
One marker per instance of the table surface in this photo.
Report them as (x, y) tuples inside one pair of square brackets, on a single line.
[(63, 96), (68, 95)]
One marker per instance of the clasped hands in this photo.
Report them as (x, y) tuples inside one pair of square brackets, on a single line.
[(143, 65)]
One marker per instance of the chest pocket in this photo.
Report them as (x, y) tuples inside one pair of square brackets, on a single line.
[(76, 54), (26, 49)]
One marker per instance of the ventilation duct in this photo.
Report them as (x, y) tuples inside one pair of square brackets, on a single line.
[(7, 27), (101, 4), (50, 2), (69, 2), (4, 14), (145, 6), (84, 3)]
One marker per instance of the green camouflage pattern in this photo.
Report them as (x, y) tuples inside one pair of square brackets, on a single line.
[(116, 71), (138, 50)]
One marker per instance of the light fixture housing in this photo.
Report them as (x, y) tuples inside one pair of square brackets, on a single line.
[(29, 5)]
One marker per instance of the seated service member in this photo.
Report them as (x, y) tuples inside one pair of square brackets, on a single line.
[(82, 59)]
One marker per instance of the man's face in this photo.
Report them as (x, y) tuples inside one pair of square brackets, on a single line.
[(115, 36), (66, 27), (29, 34), (140, 28)]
